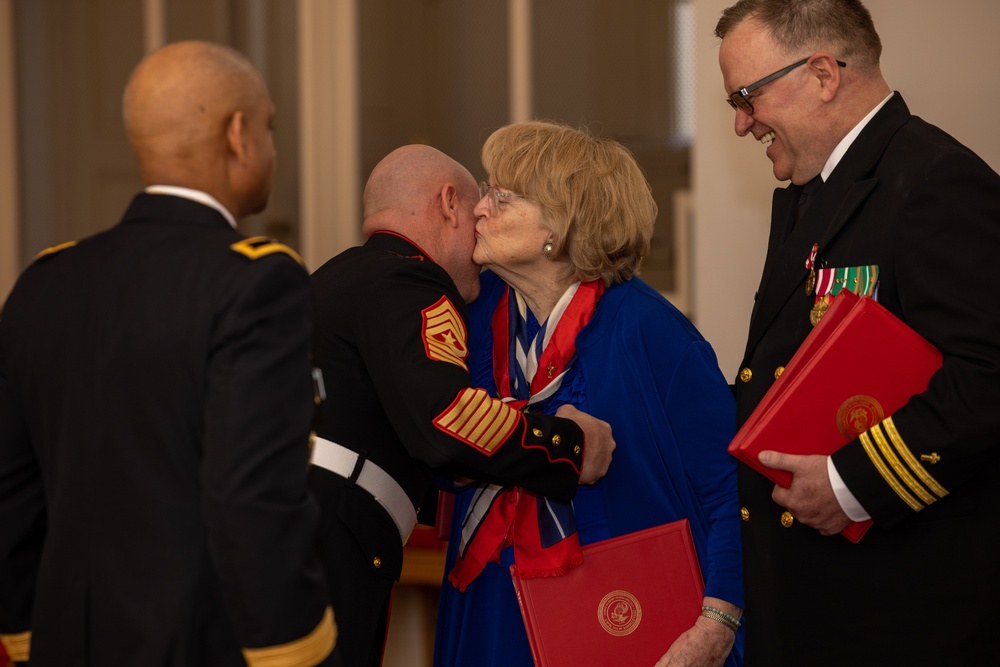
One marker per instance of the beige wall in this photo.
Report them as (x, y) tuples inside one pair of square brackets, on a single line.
[(939, 55), (9, 237)]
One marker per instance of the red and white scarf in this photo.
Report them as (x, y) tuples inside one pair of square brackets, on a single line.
[(527, 374)]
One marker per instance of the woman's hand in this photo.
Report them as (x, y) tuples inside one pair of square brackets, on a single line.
[(707, 643)]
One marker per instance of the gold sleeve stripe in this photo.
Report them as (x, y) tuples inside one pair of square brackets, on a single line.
[(54, 249), (445, 337), (897, 465), (476, 417), (890, 478), (256, 247), (911, 460), (495, 426), (484, 423), (310, 650), (18, 646), (478, 420)]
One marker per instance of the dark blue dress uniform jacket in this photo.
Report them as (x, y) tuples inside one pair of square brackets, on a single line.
[(919, 589), (155, 406)]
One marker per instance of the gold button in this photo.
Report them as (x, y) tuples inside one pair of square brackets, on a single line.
[(778, 371), (556, 440), (746, 374), (787, 519), (377, 562), (744, 514), (576, 450), (537, 432)]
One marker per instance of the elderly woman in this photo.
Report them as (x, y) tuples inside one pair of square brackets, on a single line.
[(562, 226)]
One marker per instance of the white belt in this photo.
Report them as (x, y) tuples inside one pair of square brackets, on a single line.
[(387, 491)]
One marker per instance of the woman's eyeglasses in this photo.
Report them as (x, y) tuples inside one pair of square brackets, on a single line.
[(493, 196)]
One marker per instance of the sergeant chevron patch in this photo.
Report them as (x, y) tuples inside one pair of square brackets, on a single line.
[(444, 333)]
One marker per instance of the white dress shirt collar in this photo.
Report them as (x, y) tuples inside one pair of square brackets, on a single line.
[(845, 143), (194, 195)]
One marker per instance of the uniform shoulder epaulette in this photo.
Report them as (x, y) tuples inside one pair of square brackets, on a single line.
[(256, 247), (48, 252)]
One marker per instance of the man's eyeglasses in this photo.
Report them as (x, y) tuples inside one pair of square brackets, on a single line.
[(740, 99), (493, 195)]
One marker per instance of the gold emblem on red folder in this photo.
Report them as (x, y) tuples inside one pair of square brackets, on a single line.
[(858, 414), (619, 613)]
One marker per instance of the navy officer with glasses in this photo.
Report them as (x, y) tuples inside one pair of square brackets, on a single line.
[(901, 197)]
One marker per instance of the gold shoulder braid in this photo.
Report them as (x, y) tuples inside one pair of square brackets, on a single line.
[(256, 247), (48, 252)]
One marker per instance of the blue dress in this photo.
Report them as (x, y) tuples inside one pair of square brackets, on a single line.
[(642, 367)]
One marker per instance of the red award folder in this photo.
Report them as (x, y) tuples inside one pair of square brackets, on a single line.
[(627, 603), (857, 366)]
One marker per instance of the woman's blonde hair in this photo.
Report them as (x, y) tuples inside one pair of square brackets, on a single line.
[(594, 197)]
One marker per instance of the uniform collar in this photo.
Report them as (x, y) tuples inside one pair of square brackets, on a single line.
[(845, 143), (193, 195), (397, 244)]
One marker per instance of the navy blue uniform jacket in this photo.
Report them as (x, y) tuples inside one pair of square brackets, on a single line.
[(155, 406), (919, 587)]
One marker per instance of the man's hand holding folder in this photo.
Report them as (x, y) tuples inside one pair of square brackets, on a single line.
[(810, 498), (857, 367)]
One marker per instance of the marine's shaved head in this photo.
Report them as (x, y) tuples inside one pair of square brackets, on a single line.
[(409, 177), (421, 193)]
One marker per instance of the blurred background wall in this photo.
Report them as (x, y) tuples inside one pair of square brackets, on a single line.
[(354, 79)]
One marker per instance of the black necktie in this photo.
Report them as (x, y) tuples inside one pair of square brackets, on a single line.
[(806, 195)]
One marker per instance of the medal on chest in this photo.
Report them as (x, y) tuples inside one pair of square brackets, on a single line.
[(860, 280)]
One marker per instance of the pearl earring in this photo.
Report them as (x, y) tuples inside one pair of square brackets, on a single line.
[(548, 249)]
